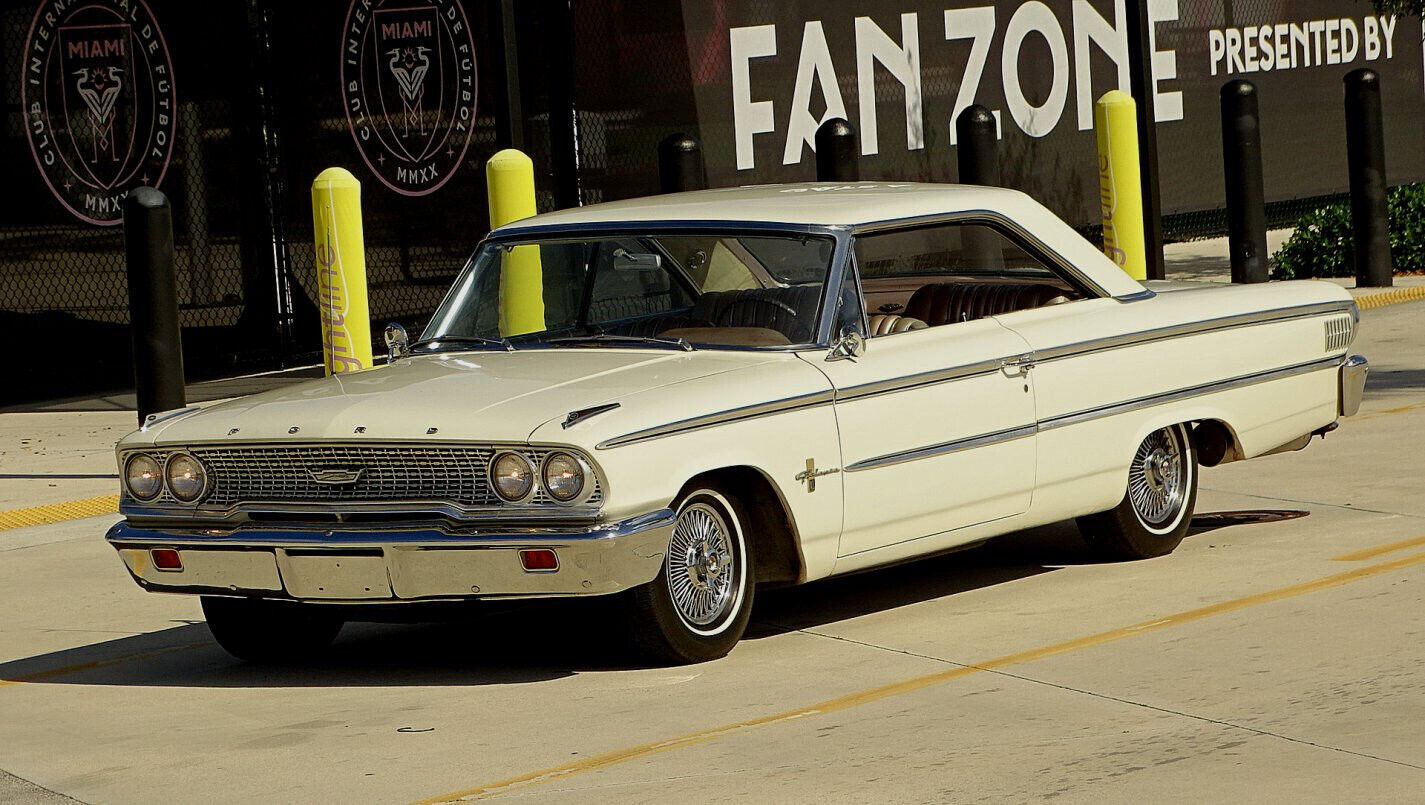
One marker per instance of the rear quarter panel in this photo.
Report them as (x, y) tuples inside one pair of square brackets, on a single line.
[(1085, 445)]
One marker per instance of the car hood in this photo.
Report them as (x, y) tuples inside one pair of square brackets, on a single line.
[(476, 396)]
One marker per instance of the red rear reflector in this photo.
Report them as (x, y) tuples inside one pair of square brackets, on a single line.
[(539, 560), (166, 559)]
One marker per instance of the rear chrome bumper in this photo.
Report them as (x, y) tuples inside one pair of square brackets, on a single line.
[(1353, 384), (396, 565)]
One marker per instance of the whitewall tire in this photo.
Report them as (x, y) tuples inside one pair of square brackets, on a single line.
[(698, 607)]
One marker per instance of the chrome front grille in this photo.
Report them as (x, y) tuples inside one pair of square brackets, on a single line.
[(1339, 332), (405, 475)]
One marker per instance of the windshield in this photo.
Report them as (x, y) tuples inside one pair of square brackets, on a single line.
[(674, 291)]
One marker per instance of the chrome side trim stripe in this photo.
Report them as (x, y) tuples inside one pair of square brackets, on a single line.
[(1151, 400), (946, 448), (1192, 328), (721, 418), (1090, 414), (921, 379)]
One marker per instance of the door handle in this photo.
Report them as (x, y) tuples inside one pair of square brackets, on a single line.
[(1023, 363)]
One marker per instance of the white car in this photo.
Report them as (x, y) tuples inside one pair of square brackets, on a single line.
[(676, 399)]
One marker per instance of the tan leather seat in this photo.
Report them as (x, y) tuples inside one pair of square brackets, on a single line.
[(883, 324), (949, 302)]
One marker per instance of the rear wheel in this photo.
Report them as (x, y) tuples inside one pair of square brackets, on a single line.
[(698, 607), (1156, 510), (274, 632)]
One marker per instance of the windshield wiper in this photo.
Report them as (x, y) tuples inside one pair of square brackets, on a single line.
[(465, 339), (677, 343)]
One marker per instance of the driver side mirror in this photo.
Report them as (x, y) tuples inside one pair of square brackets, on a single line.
[(398, 343), (850, 346)]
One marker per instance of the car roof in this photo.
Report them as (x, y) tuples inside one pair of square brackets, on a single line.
[(804, 204)]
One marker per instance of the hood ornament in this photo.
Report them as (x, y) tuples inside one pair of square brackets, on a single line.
[(575, 417)]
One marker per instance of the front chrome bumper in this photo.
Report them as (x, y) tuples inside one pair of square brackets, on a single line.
[(1353, 384), (395, 565)]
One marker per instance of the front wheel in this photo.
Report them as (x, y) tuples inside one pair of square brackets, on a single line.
[(698, 607), (274, 632), (1156, 510)]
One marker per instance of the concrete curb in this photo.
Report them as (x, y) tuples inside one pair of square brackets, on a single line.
[(1372, 300)]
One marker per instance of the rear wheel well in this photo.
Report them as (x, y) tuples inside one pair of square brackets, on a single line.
[(772, 534), (1216, 443)]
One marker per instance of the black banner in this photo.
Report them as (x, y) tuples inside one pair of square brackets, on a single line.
[(766, 74)]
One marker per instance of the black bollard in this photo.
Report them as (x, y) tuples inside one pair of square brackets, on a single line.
[(978, 145), (977, 154), (836, 157), (680, 164), (1365, 152), (153, 301), (1242, 167)]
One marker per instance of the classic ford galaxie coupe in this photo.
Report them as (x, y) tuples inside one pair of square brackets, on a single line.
[(676, 399)]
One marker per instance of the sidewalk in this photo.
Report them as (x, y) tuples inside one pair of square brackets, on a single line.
[(1207, 261), (53, 452)]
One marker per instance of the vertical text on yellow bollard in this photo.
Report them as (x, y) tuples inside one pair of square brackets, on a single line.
[(1120, 191), (341, 271), (510, 175)]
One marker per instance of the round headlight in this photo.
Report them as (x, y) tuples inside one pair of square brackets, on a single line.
[(512, 477), (187, 480), (565, 477), (143, 477)]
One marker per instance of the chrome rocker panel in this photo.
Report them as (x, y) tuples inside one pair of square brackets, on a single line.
[(392, 565)]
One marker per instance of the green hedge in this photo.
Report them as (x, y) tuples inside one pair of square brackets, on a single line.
[(1322, 245)]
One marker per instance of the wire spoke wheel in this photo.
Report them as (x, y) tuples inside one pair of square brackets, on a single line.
[(1156, 478), (701, 566)]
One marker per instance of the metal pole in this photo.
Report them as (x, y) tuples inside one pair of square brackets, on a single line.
[(1365, 150), (978, 159), (1242, 167), (509, 112), (680, 164), (1141, 84), (978, 146), (153, 301), (558, 20), (836, 157)]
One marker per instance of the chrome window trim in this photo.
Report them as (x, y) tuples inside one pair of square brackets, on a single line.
[(943, 449), (823, 325), (782, 406), (1036, 247)]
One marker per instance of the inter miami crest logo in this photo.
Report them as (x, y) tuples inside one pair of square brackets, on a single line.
[(97, 92), (408, 78)]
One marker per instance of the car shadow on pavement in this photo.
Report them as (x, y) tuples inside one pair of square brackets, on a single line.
[(1393, 381), (1003, 559), (531, 642), (510, 643)]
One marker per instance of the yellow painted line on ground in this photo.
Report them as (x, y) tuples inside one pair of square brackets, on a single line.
[(618, 756), (1371, 553), (1390, 298), (59, 512), (1404, 409), (41, 676)]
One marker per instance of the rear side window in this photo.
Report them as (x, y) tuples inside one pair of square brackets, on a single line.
[(969, 250)]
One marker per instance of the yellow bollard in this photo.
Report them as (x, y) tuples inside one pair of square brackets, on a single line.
[(341, 271), (510, 175), (1120, 191)]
